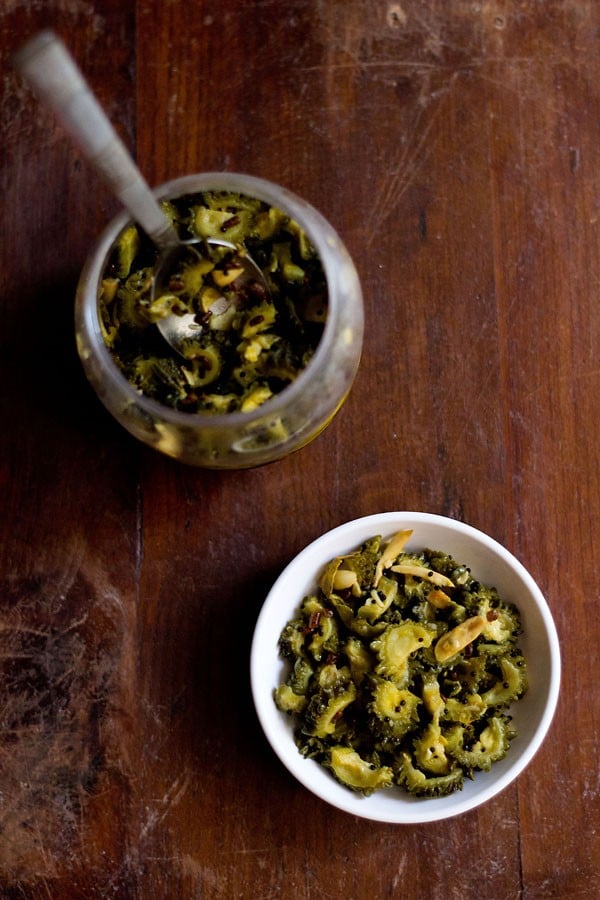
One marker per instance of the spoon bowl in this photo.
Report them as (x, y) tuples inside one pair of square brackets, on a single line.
[(234, 278)]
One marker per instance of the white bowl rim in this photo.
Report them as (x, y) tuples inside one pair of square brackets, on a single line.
[(346, 537)]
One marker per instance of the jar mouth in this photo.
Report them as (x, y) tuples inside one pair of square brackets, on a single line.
[(319, 231)]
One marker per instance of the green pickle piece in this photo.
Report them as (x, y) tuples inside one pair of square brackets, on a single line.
[(128, 246), (356, 773), (368, 696), (250, 344)]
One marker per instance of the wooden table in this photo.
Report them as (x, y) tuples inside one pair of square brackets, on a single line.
[(456, 148)]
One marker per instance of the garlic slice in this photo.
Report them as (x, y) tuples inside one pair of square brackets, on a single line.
[(458, 638), (424, 573), (439, 599), (393, 549), (344, 579)]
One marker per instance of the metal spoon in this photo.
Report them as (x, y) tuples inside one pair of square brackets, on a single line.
[(47, 64), (246, 281)]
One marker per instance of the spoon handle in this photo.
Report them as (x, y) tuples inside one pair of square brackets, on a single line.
[(48, 66)]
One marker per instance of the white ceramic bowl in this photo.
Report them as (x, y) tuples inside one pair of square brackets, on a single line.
[(491, 564)]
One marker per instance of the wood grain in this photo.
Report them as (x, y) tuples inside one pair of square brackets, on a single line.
[(456, 148)]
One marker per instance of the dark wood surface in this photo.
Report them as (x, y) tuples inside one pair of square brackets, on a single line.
[(456, 148)]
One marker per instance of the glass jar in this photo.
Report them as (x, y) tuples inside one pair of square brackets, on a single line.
[(289, 419)]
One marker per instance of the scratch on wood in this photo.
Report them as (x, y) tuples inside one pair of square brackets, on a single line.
[(156, 814), (404, 170)]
